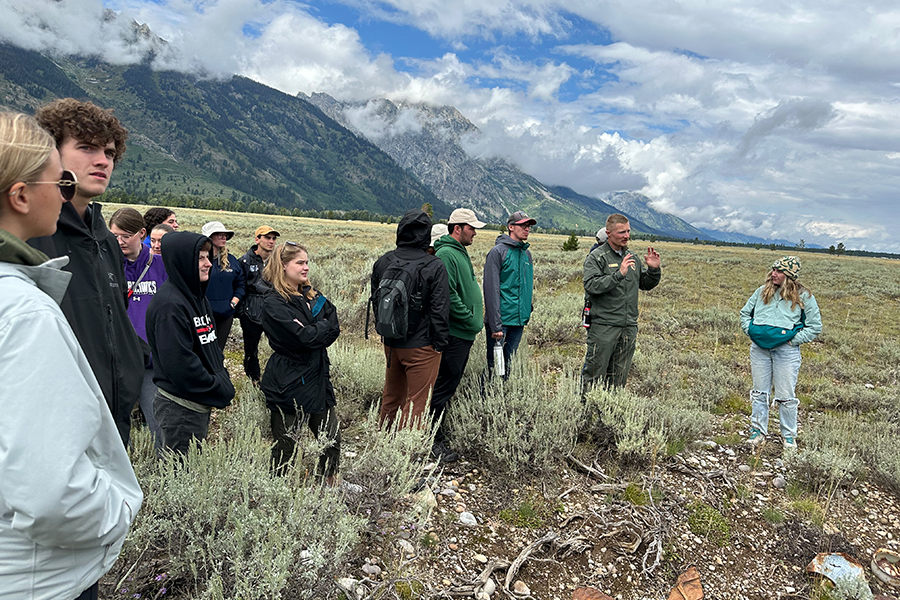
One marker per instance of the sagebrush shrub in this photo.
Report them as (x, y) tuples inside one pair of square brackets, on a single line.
[(642, 427), (229, 528), (527, 423)]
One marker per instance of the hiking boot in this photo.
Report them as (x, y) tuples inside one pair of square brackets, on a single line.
[(790, 443), (442, 453), (756, 439)]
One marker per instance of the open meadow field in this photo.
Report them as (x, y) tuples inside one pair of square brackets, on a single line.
[(621, 493)]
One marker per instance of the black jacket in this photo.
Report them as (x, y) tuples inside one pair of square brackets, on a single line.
[(298, 373), (430, 326), (255, 287), (96, 306), (187, 361)]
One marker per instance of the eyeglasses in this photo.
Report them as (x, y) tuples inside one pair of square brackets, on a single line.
[(124, 237), (525, 226), (67, 184)]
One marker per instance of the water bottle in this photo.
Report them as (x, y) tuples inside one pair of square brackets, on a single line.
[(586, 315), (499, 363)]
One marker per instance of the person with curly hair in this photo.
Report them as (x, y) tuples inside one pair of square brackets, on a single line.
[(91, 141), (158, 215), (779, 316)]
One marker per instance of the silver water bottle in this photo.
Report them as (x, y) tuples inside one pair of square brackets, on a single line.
[(499, 363)]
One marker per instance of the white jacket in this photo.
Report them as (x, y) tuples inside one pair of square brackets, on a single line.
[(68, 493)]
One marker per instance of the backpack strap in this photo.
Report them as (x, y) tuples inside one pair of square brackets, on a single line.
[(140, 278)]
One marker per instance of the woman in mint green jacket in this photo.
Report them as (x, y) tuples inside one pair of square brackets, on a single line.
[(778, 317)]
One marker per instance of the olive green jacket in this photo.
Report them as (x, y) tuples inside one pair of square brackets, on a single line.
[(613, 296)]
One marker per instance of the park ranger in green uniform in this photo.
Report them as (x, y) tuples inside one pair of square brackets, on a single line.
[(612, 278)]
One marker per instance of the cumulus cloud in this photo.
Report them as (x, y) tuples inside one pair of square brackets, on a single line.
[(73, 27), (730, 115), (464, 18), (371, 121), (796, 114)]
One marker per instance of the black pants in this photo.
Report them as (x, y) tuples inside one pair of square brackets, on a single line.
[(453, 364), (178, 424), (252, 335), (91, 593), (223, 329), (284, 426)]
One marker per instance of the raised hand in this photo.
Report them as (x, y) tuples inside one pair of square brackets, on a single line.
[(652, 258)]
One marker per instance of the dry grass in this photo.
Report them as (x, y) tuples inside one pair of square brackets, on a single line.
[(691, 367)]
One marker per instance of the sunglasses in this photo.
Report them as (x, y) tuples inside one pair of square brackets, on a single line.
[(67, 184)]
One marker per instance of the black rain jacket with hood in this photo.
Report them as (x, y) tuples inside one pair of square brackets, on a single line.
[(298, 375), (430, 326), (187, 361), (255, 286), (95, 305)]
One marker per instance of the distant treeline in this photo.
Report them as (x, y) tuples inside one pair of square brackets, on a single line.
[(268, 208)]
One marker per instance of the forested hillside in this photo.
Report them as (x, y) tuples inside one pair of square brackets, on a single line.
[(237, 140)]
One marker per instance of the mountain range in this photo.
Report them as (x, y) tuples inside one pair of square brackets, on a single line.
[(236, 139), (252, 147), (431, 143)]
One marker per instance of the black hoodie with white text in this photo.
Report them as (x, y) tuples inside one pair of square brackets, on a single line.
[(187, 361)]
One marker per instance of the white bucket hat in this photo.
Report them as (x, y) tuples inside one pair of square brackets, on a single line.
[(216, 227)]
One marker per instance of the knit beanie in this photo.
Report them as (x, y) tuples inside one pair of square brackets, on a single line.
[(789, 265)]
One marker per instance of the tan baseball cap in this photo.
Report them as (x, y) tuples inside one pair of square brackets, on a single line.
[(265, 230), (464, 215)]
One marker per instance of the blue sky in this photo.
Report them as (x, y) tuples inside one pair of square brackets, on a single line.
[(778, 120)]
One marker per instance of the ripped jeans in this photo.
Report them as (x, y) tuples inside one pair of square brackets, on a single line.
[(776, 368)]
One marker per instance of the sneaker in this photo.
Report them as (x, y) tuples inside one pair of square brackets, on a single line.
[(442, 453), (790, 443), (756, 439)]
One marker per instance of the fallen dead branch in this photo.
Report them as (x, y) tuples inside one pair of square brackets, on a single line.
[(593, 471), (513, 570)]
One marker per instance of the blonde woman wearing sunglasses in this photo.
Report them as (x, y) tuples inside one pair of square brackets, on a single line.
[(68, 493)]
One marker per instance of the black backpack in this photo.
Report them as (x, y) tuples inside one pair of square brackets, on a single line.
[(398, 293)]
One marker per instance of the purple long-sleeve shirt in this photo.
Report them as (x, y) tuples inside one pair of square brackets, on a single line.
[(145, 290)]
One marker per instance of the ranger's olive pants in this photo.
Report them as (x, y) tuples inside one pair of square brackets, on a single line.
[(608, 357)]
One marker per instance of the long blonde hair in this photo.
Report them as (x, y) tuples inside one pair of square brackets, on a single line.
[(224, 265), (790, 290), (24, 149), (274, 271)]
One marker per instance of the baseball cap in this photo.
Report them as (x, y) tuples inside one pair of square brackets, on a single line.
[(520, 218), (464, 215), (265, 230)]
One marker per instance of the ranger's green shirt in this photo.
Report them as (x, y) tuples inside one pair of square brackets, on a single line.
[(613, 296)]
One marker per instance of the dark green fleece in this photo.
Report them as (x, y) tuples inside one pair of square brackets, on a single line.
[(465, 293)]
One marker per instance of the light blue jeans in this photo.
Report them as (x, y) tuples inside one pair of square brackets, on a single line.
[(776, 368)]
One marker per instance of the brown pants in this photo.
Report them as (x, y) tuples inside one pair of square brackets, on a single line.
[(408, 381)]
